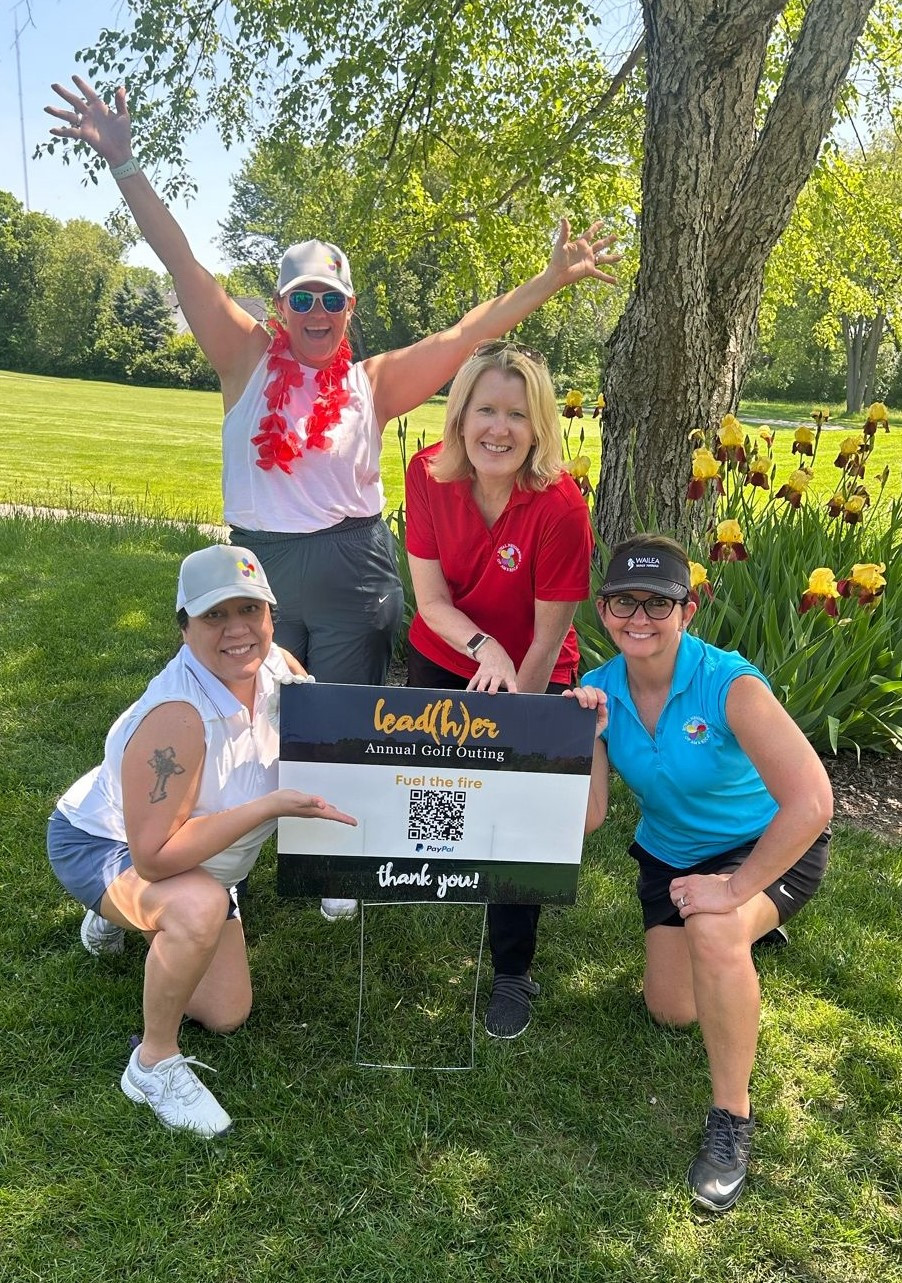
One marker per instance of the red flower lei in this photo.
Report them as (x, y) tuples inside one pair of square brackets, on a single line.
[(278, 445)]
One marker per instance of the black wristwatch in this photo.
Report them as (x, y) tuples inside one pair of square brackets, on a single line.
[(477, 640)]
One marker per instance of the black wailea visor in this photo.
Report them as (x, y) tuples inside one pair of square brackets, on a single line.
[(651, 570)]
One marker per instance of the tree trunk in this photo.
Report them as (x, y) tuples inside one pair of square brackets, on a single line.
[(862, 337), (869, 361), (717, 193), (851, 333)]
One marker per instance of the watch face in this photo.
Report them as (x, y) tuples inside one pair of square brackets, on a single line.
[(475, 642)]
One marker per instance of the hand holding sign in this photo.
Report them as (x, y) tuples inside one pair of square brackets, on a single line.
[(592, 697)]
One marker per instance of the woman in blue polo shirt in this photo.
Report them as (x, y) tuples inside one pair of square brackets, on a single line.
[(733, 836)]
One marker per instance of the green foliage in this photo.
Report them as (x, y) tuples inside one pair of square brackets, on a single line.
[(178, 363), (24, 239), (840, 678), (836, 271), (144, 309), (496, 92), (68, 305), (417, 265), (795, 358), (78, 273)]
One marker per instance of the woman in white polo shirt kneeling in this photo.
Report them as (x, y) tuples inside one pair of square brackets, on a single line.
[(154, 838)]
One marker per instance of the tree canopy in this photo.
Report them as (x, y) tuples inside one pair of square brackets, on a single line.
[(843, 246), (70, 306)]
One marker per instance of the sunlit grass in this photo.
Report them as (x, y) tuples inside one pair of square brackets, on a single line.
[(73, 443)]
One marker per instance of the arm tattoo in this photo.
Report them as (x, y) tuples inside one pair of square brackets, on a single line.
[(164, 764)]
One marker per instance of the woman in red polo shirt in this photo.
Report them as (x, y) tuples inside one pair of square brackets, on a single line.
[(499, 544)]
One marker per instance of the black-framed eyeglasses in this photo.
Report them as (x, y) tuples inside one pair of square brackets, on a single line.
[(494, 347), (623, 606), (303, 300)]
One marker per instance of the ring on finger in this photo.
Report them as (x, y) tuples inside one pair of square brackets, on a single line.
[(681, 902)]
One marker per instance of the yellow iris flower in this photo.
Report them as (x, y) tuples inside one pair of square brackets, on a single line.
[(869, 576), (728, 542), (803, 441), (705, 468), (866, 583), (822, 590), (795, 486), (730, 432)]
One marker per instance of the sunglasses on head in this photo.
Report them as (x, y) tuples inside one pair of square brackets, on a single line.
[(303, 300), (623, 606), (497, 346)]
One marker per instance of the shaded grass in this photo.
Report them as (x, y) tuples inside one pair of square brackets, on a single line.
[(562, 1156), (96, 446)]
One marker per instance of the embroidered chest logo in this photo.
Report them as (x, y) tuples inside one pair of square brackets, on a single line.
[(509, 557), (696, 731)]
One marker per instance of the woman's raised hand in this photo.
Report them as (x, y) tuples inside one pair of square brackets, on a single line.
[(573, 260), (89, 120)]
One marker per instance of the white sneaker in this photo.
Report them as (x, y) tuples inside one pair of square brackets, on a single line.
[(332, 910), (99, 935), (175, 1094)]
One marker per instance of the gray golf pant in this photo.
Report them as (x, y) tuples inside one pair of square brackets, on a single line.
[(340, 601)]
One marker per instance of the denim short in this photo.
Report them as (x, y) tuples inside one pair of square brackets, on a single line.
[(790, 892), (87, 865)]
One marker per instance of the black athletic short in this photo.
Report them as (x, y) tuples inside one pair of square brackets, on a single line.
[(790, 892)]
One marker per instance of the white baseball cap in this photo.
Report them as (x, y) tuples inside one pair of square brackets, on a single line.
[(314, 263), (215, 574)]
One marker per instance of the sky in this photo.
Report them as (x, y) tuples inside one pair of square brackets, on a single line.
[(46, 50)]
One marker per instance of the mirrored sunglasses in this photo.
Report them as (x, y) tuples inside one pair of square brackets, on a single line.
[(303, 300), (624, 607)]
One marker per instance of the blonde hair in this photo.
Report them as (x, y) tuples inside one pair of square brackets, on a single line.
[(543, 464)]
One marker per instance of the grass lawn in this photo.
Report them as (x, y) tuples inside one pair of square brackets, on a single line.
[(95, 446), (560, 1157)]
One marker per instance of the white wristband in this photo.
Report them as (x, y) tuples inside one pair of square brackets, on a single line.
[(126, 169)]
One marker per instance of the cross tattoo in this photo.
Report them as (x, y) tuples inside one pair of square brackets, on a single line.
[(164, 764)]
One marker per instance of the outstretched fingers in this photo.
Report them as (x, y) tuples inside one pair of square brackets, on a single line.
[(87, 119)]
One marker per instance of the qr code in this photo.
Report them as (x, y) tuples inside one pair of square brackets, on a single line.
[(436, 815)]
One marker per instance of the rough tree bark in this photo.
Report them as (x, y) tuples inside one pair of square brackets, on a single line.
[(717, 191)]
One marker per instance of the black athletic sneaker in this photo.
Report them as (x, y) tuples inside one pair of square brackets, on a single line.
[(510, 1009), (717, 1175)]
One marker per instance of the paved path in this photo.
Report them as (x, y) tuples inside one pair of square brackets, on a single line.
[(221, 533)]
